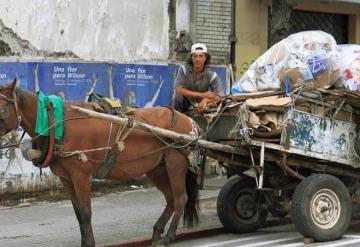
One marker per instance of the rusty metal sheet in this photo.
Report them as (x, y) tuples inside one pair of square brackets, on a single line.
[(332, 139)]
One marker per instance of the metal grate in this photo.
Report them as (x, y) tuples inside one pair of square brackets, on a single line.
[(335, 24)]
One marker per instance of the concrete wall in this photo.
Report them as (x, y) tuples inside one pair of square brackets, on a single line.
[(182, 17), (122, 31), (251, 29), (19, 178)]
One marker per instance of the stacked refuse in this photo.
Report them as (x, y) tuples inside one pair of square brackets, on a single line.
[(307, 72), (349, 67), (310, 58)]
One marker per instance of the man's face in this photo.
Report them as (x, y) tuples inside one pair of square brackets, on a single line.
[(198, 59)]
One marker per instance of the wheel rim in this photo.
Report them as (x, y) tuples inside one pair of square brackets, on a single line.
[(245, 206), (325, 208)]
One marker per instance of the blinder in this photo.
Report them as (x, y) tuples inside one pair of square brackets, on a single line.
[(5, 112)]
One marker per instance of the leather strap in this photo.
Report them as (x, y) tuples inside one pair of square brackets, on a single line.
[(50, 149)]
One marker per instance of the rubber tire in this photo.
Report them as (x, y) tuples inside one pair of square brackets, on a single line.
[(300, 207), (226, 207)]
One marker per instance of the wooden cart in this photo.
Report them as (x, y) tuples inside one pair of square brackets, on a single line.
[(310, 170)]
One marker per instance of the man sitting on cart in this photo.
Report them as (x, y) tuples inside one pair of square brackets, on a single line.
[(194, 79)]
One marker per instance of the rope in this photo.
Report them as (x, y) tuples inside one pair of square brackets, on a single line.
[(241, 123), (40, 134), (77, 152), (121, 136)]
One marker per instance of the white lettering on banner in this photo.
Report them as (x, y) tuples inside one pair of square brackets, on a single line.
[(141, 71), (71, 69), (142, 74), (137, 77), (3, 76), (130, 76), (129, 73), (58, 76), (59, 69), (59, 73), (129, 70), (145, 77), (74, 74)]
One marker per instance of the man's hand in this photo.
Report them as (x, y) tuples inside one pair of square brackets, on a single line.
[(210, 95), (202, 104)]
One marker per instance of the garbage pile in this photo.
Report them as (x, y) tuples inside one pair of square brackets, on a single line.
[(308, 72), (309, 58)]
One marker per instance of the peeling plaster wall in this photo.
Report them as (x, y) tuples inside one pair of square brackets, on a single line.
[(121, 31), (182, 17)]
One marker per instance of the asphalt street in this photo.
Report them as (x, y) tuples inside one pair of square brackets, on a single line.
[(116, 216)]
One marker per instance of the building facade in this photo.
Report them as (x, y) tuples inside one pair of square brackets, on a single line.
[(253, 25)]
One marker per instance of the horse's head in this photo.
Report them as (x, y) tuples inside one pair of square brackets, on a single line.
[(9, 118)]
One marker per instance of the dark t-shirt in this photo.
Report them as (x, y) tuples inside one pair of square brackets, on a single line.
[(208, 80)]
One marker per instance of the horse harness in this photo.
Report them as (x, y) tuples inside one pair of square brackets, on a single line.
[(123, 132), (48, 143), (118, 146)]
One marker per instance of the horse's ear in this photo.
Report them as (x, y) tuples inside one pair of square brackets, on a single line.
[(15, 82), (10, 85)]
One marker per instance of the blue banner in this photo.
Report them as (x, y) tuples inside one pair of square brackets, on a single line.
[(11, 70), (72, 81), (139, 85), (142, 85)]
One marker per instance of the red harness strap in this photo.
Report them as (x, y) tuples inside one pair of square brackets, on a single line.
[(51, 144)]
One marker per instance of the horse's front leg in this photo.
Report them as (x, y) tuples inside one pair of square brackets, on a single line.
[(80, 195)]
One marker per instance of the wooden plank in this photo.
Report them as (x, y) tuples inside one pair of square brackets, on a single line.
[(181, 138)]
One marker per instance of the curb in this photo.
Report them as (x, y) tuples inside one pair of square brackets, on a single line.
[(191, 233), (180, 236)]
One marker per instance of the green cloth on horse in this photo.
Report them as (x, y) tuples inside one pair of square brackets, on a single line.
[(42, 123)]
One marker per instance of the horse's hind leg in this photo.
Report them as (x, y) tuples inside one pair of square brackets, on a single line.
[(177, 167), (160, 179), (80, 199)]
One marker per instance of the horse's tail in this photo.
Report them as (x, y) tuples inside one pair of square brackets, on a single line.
[(191, 216)]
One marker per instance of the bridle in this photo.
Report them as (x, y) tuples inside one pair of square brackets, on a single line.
[(12, 100)]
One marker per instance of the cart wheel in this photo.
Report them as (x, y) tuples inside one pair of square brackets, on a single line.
[(321, 207), (240, 206)]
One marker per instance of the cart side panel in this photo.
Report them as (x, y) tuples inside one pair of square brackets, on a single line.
[(321, 135)]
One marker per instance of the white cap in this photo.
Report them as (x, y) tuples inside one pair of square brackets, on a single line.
[(198, 47)]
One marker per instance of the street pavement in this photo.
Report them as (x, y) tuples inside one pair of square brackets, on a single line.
[(117, 216)]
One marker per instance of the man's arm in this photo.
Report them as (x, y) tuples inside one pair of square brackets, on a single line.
[(192, 94)]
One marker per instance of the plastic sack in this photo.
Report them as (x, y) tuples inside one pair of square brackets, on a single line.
[(349, 67), (304, 58)]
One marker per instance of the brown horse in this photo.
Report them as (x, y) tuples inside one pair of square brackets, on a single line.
[(166, 166)]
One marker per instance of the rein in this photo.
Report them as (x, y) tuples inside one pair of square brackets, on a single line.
[(40, 134)]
